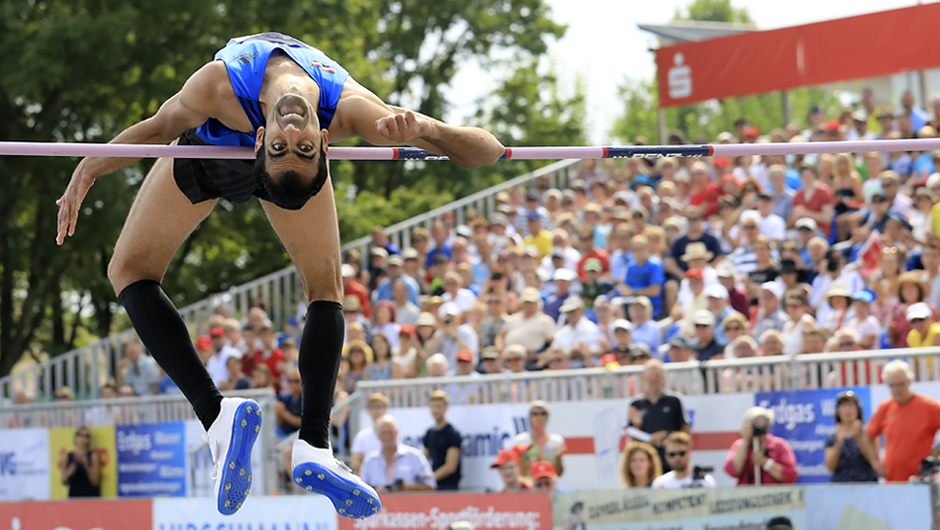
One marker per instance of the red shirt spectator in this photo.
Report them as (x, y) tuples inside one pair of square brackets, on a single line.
[(813, 200), (354, 288), (704, 192)]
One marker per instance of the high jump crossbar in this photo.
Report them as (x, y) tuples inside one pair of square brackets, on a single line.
[(512, 153)]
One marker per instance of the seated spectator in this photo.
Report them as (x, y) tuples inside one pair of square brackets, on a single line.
[(366, 442), (406, 311), (562, 280), (492, 361), (220, 354), (814, 200), (507, 462), (734, 326), (516, 357), (639, 466), (579, 335), (437, 365), (834, 272), (237, 380), (772, 456), (645, 330), (541, 444), (621, 344), (925, 331), (544, 476), (796, 306), (679, 454), (494, 321), (530, 328), (261, 378), (288, 405), (912, 288), (140, 371), (559, 359), (685, 311), (769, 315), (269, 353), (850, 454), (396, 466), (593, 287), (454, 291), (706, 347), (814, 340), (233, 331), (353, 288), (381, 367), (834, 312), (644, 277), (738, 298), (909, 435), (746, 378), (442, 444), (384, 321), (718, 299), (698, 257), (404, 359), (864, 323), (452, 336), (357, 355)]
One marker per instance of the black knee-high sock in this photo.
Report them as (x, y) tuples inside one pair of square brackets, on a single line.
[(321, 348), (163, 331)]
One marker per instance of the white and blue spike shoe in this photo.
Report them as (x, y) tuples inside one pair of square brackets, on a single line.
[(317, 471), (230, 438)]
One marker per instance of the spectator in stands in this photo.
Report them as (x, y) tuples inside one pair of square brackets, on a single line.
[(593, 287), (540, 443), (466, 364), (233, 331), (562, 280), (442, 444), (643, 277), (530, 328), (455, 292), (771, 225), (795, 304), (911, 289), (381, 368), (491, 361), (656, 411), (395, 272), (718, 306), (237, 380), (864, 323), (288, 404), (831, 315), (139, 371), (734, 326), (676, 264), (384, 321), (706, 347), (850, 454), (621, 343), (516, 357), (814, 340), (917, 116), (925, 331), (589, 249), (645, 330), (833, 270), (507, 462), (544, 476), (452, 336), (261, 377), (909, 422), (380, 240), (697, 256), (437, 365), (771, 343), (579, 335), (813, 200), (773, 456), (537, 236), (737, 296), (366, 442), (220, 355), (353, 288), (494, 321), (396, 467), (269, 353), (678, 447), (357, 355), (81, 467), (639, 466), (769, 314), (406, 311)]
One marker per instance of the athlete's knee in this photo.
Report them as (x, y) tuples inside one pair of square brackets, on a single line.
[(326, 286), (122, 272)]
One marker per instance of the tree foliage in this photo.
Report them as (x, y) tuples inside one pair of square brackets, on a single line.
[(713, 11), (83, 70)]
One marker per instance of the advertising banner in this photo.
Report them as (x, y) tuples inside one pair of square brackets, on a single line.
[(62, 442), (24, 465), (75, 514), (294, 512), (437, 511), (805, 418), (199, 461), (869, 507), (678, 509), (151, 459)]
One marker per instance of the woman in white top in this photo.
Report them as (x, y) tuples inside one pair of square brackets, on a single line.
[(796, 304), (541, 444)]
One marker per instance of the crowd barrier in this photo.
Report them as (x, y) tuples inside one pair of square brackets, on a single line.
[(147, 447), (856, 507), (87, 369)]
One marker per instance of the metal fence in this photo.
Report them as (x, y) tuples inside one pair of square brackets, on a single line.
[(138, 410), (87, 369)]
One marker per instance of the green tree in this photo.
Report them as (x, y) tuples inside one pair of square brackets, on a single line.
[(713, 11)]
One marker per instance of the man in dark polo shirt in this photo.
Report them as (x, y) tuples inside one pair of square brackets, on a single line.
[(442, 444), (706, 347), (657, 412)]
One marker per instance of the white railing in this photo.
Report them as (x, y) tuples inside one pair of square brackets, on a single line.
[(138, 410), (86, 369)]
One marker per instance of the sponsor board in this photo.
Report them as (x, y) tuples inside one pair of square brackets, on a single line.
[(805, 418), (151, 459), (437, 511), (75, 514), (62, 442), (290, 512), (693, 508), (905, 506), (24, 465)]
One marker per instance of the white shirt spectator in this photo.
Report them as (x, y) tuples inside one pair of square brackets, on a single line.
[(410, 466), (532, 333), (390, 331), (584, 331), (143, 375), (669, 481), (366, 442), (549, 450), (685, 296), (216, 363), (867, 327), (407, 314), (464, 299), (817, 295)]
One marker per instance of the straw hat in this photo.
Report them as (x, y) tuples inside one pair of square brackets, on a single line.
[(696, 250), (838, 289)]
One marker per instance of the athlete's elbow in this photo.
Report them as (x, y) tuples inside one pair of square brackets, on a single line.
[(486, 156)]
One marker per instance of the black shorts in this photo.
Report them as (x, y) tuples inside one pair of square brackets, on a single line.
[(202, 179)]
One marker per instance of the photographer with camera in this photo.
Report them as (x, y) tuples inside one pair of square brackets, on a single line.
[(759, 457), (678, 447)]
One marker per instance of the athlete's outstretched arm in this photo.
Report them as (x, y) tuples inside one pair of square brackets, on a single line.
[(190, 107), (364, 115)]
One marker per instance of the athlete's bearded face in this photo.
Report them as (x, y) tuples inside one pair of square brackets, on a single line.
[(291, 152)]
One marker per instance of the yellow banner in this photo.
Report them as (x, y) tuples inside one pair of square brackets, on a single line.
[(62, 442)]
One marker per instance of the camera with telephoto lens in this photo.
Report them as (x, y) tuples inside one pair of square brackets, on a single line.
[(448, 321), (758, 430), (698, 476), (928, 468)]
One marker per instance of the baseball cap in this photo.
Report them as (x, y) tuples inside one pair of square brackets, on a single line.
[(725, 270), (752, 132), (643, 301), (503, 456), (860, 115), (773, 287), (395, 261), (678, 341), (203, 343), (465, 355), (833, 125), (721, 161), (864, 296), (348, 270), (622, 196), (448, 309), (489, 353), (565, 275), (533, 216), (622, 323), (716, 290), (498, 219), (572, 303), (409, 253), (217, 332), (807, 223), (695, 273), (918, 310), (543, 469), (593, 264), (407, 329), (558, 252), (530, 294), (704, 316), (379, 251), (725, 137)]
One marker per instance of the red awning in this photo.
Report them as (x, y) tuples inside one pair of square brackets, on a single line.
[(859, 47)]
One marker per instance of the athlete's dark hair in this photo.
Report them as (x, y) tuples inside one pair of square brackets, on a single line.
[(291, 191)]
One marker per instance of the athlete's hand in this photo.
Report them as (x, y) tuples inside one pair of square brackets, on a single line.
[(403, 127), (70, 203)]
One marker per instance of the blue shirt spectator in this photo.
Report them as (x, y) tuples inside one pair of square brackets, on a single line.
[(384, 290), (646, 274)]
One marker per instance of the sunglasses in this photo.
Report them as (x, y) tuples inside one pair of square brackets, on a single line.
[(734, 328), (639, 357), (83, 435), (916, 320), (673, 454), (538, 413), (702, 326)]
